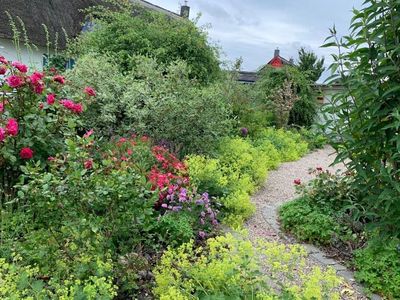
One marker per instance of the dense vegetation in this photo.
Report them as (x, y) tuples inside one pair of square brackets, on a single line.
[(117, 175), (358, 212)]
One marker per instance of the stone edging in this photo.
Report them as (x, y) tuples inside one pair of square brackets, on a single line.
[(270, 215)]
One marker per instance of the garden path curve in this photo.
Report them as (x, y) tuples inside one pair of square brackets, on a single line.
[(278, 189)]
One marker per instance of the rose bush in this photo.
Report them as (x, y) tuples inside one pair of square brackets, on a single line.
[(35, 116)]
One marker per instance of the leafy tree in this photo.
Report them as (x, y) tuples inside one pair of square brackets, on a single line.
[(271, 80), (133, 30), (365, 130), (310, 65)]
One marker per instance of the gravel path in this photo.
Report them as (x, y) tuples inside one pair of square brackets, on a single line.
[(278, 189)]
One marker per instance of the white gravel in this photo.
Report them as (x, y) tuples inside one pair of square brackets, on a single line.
[(278, 189)]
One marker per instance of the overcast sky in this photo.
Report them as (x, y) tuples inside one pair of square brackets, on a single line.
[(253, 29)]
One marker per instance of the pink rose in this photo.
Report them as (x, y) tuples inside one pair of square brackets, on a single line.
[(88, 133), (15, 81), (39, 88), (88, 164), (36, 77), (3, 70), (2, 134), (20, 66), (1, 107), (50, 158), (297, 181), (26, 153), (90, 91), (12, 127), (3, 60), (51, 98), (60, 79), (78, 108)]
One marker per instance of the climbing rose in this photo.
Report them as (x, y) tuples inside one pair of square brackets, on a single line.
[(38, 88), (14, 81), (2, 134), (60, 79), (78, 108), (26, 153), (3, 70), (88, 164), (297, 181), (20, 66), (72, 106), (50, 99), (90, 91), (12, 127)]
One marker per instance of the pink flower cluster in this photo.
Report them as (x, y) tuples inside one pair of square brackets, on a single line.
[(11, 129), (72, 106)]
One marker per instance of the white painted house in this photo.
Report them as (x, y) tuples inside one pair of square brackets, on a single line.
[(57, 15)]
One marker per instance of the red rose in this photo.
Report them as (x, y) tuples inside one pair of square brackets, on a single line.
[(60, 79), (297, 181), (319, 169), (90, 91), (3, 70), (36, 77), (26, 153), (41, 105), (38, 88), (20, 66), (14, 81), (88, 164), (51, 98), (3, 60)]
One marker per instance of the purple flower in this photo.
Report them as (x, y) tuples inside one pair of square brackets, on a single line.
[(214, 222), (202, 222), (202, 234), (202, 214), (164, 205), (244, 131), (176, 208)]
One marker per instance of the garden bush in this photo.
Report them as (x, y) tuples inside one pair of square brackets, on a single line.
[(232, 267), (378, 266), (36, 114), (155, 100), (130, 30)]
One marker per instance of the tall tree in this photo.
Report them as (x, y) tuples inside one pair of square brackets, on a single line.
[(310, 65)]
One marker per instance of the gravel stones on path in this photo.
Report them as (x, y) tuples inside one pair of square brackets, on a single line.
[(278, 189)]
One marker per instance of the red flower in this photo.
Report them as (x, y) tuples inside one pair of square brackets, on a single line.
[(51, 158), (3, 70), (15, 81), (297, 181), (88, 164), (51, 98), (1, 107), (12, 127), (60, 79), (90, 91), (129, 152), (2, 134), (41, 105), (72, 106), (319, 169), (38, 88), (20, 66), (36, 77), (78, 108), (3, 60), (26, 153)]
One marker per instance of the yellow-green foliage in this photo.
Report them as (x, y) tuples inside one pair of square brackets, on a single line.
[(234, 267), (23, 282), (240, 167), (290, 145)]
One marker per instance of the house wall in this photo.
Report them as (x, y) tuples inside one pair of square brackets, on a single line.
[(33, 58)]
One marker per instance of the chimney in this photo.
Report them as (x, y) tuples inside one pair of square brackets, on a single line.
[(185, 10), (276, 53)]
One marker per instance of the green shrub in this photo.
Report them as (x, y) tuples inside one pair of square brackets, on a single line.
[(123, 34), (290, 145), (378, 266), (23, 282), (306, 222), (314, 138), (232, 268), (154, 100), (175, 229)]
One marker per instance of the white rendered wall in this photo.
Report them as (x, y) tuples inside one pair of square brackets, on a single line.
[(33, 58)]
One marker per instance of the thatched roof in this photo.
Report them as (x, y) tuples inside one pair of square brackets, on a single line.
[(55, 14)]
